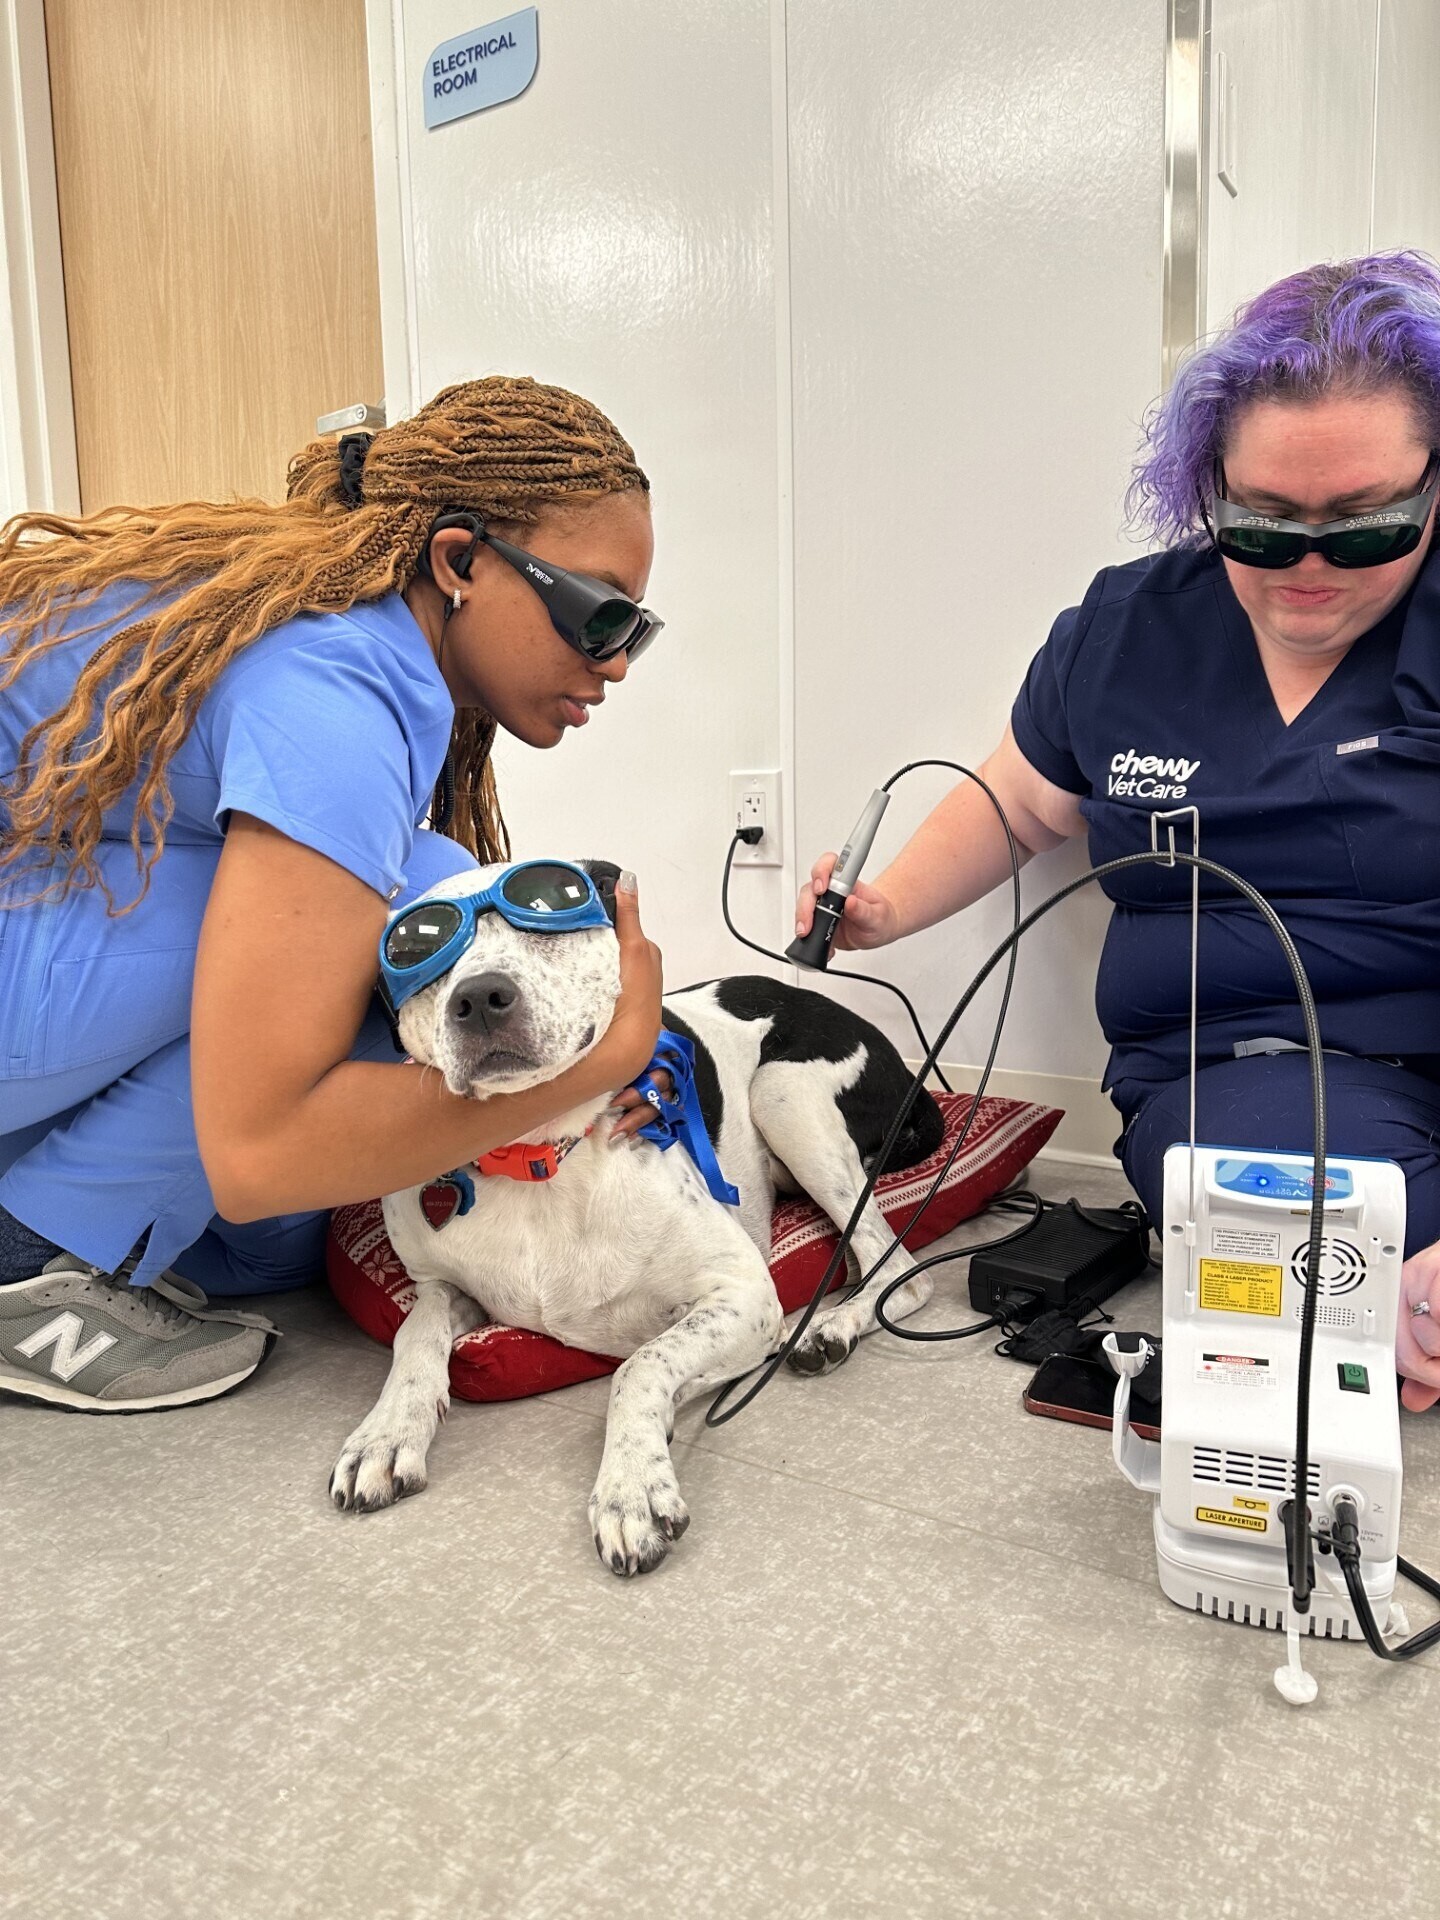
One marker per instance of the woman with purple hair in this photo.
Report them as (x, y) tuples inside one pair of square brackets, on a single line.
[(1277, 665)]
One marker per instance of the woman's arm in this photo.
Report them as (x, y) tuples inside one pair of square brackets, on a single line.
[(955, 856), (286, 1122)]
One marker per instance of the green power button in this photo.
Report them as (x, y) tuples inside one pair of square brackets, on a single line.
[(1353, 1379)]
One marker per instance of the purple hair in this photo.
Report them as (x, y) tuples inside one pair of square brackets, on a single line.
[(1350, 326)]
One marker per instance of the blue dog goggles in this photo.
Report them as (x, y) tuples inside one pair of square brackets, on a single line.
[(538, 896)]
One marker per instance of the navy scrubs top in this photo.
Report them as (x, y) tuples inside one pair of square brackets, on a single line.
[(1151, 695)]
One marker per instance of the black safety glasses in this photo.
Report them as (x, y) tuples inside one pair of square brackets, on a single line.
[(1371, 539), (596, 619)]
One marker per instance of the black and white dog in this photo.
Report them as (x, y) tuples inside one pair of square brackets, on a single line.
[(626, 1252)]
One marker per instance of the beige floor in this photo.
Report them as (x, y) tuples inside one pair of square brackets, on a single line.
[(910, 1660)]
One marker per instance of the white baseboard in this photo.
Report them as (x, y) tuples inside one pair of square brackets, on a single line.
[(1090, 1127)]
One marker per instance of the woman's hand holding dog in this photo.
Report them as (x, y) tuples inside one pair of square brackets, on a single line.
[(628, 1043)]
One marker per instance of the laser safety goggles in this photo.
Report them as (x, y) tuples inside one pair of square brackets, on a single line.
[(597, 620), (1371, 539), (538, 896)]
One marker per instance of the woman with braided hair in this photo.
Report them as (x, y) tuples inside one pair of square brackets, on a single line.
[(221, 727)]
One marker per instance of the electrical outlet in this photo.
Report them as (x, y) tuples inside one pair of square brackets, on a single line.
[(755, 802)]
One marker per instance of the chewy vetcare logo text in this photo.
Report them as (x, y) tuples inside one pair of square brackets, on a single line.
[(1147, 777)]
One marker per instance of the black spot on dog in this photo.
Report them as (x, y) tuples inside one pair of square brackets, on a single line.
[(807, 1026), (604, 874)]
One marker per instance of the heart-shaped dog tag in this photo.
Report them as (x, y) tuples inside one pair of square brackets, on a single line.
[(439, 1201)]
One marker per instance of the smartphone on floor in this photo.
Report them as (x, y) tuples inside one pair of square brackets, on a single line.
[(1082, 1391)]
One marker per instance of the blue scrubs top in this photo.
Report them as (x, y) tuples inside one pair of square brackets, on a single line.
[(333, 728), (1151, 695)]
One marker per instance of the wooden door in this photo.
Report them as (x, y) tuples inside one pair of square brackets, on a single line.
[(217, 222)]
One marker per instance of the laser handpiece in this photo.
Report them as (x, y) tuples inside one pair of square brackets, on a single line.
[(813, 949)]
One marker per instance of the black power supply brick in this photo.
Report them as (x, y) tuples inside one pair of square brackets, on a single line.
[(1072, 1257)]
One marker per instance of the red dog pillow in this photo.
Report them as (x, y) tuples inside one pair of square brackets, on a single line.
[(507, 1363)]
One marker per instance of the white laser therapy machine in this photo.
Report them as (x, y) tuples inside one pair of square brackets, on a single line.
[(1279, 1315), (1236, 1250)]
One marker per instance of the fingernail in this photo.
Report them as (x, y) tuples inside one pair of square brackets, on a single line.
[(626, 882), (617, 1139)]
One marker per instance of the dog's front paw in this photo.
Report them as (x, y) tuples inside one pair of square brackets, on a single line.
[(828, 1343), (636, 1517), (377, 1467)]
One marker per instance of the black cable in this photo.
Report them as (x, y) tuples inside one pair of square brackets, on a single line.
[(1132, 1208), (715, 1415), (902, 1233), (1298, 1524), (1137, 1216), (939, 1259), (719, 1412), (1345, 1538), (870, 979), (874, 979), (1298, 1532)]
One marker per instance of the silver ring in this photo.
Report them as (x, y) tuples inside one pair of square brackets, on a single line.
[(1424, 1307)]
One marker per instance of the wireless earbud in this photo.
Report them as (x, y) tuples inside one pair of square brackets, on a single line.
[(471, 523)]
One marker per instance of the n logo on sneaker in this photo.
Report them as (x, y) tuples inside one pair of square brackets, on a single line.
[(63, 1333)]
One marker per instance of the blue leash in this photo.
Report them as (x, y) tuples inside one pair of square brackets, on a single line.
[(679, 1117)]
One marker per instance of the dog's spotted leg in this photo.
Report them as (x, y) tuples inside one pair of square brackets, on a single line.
[(794, 1108), (835, 1332), (384, 1458), (636, 1511)]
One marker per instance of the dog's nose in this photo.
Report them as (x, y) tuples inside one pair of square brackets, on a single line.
[(484, 1003)]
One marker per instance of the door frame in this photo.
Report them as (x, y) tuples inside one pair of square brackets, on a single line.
[(394, 228), (39, 469), (37, 416), (1187, 180)]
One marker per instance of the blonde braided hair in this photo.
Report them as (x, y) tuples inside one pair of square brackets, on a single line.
[(506, 449)]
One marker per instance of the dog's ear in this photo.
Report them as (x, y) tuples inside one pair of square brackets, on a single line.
[(604, 873)]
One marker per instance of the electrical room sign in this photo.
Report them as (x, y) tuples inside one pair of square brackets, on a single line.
[(482, 68)]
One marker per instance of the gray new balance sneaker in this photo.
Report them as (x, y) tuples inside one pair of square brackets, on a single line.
[(80, 1338)]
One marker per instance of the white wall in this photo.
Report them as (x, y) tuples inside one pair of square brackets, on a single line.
[(945, 229), (611, 231), (1406, 201), (976, 243), (1302, 78), (876, 296), (1334, 104)]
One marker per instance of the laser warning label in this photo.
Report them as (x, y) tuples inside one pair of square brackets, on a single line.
[(1241, 1286), (1217, 1517), (1236, 1369)]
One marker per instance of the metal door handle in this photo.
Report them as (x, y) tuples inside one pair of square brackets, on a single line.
[(347, 418)]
